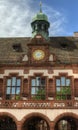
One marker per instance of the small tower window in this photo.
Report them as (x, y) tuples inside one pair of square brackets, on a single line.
[(64, 45)]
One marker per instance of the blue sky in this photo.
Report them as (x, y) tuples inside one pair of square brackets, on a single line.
[(69, 10), (16, 16)]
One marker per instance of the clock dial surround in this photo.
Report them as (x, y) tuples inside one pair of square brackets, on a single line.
[(38, 54)]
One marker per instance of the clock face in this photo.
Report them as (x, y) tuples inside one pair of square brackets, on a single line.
[(38, 54)]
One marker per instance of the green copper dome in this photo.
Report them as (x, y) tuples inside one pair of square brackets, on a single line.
[(40, 16), (40, 25)]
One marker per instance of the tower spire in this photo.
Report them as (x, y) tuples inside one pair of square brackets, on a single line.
[(40, 7)]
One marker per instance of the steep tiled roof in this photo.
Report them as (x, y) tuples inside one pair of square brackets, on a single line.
[(8, 52), (64, 48)]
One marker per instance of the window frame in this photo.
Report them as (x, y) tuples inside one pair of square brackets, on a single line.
[(33, 96), (14, 96), (66, 96)]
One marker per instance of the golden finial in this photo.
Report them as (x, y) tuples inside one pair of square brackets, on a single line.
[(40, 7)]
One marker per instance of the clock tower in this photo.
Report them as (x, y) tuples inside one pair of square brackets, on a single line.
[(39, 45), (38, 50), (40, 24)]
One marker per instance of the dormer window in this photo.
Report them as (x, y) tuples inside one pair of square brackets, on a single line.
[(64, 45), (17, 47)]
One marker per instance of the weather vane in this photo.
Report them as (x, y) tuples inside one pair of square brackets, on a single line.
[(40, 7)]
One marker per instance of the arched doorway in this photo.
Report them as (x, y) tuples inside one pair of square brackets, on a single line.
[(66, 123), (35, 123), (7, 123)]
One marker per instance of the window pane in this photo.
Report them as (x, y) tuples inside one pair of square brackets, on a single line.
[(33, 90), (62, 81), (43, 82), (58, 82), (18, 90), (67, 82), (33, 82), (13, 90), (38, 80), (18, 82), (58, 89), (13, 81), (9, 82), (37, 90), (8, 90)]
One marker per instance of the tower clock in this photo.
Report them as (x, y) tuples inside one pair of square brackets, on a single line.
[(38, 54)]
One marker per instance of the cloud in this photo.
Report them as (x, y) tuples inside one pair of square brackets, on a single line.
[(57, 21), (16, 16)]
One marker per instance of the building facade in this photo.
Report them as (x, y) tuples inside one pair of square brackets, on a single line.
[(39, 80)]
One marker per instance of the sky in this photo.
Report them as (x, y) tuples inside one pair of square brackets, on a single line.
[(16, 17)]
